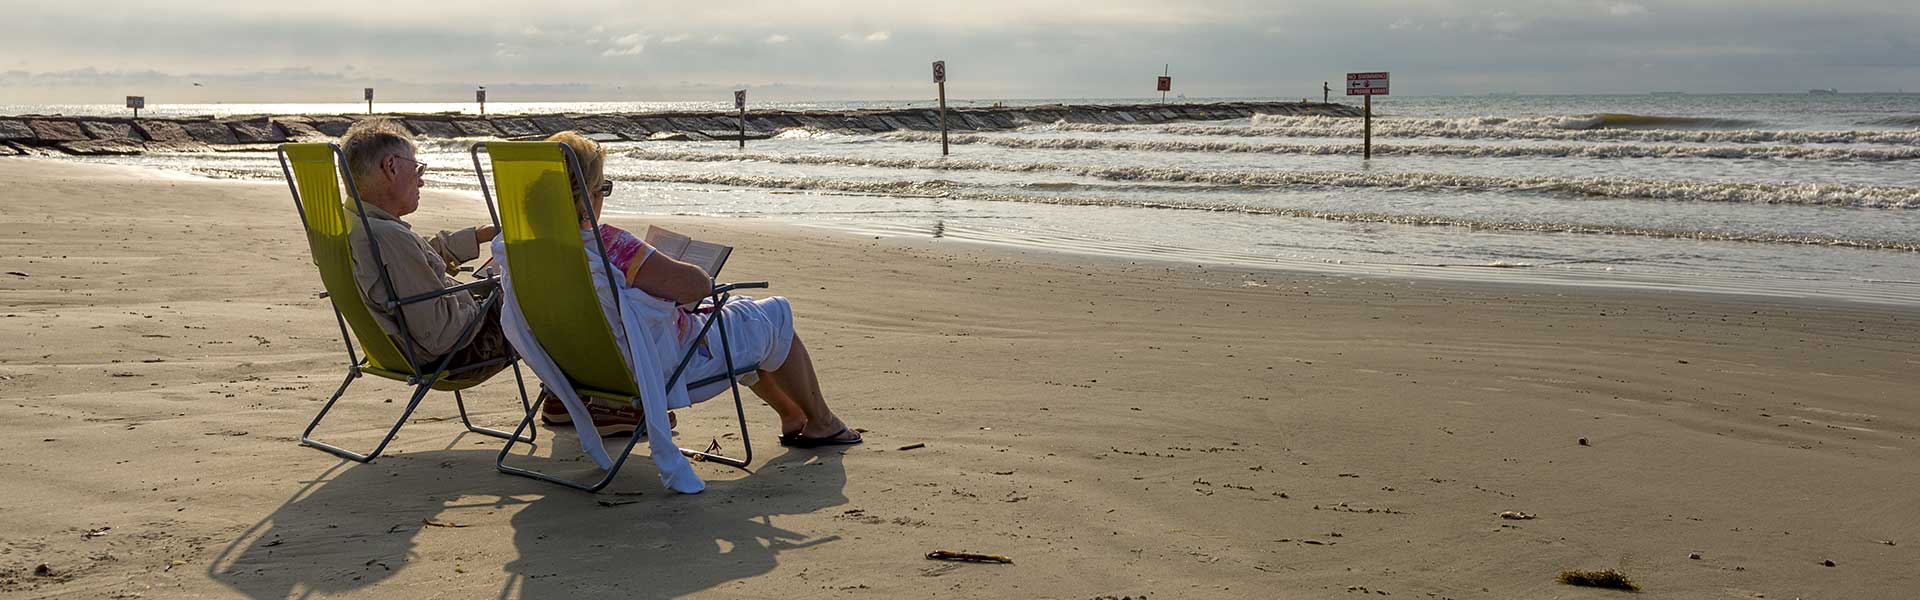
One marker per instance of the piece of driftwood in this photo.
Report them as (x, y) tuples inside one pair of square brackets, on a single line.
[(968, 557)]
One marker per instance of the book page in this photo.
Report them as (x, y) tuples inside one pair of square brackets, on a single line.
[(707, 255), (666, 242)]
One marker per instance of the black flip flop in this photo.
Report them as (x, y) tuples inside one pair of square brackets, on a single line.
[(801, 441)]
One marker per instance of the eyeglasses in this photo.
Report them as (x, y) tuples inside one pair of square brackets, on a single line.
[(419, 168), (606, 188)]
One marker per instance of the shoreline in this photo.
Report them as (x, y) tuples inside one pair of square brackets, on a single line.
[(1489, 278), (1518, 275), (1118, 427)]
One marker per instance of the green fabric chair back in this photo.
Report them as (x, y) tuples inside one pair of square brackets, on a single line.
[(316, 177), (548, 263)]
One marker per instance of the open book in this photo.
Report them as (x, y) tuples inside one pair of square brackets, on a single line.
[(706, 255)]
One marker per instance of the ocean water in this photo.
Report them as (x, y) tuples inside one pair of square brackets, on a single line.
[(1785, 195)]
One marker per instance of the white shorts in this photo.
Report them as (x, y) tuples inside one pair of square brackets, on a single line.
[(760, 332)]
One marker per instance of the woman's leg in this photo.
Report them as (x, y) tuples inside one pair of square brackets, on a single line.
[(792, 418), (796, 379)]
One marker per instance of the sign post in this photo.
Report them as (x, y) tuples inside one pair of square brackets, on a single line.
[(369, 94), (740, 102), (1165, 83), (480, 95), (940, 77), (1368, 85), (136, 103)]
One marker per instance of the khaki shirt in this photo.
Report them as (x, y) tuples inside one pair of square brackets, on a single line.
[(416, 266)]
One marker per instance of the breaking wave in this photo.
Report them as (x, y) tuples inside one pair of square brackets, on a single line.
[(1493, 128), (1468, 151), (427, 145), (809, 133), (1581, 122), (1900, 121), (1805, 194), (946, 189), (913, 189), (1477, 224)]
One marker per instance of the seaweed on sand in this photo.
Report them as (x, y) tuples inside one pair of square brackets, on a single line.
[(1609, 579)]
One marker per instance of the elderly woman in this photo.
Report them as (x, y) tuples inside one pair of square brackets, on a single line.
[(760, 331), (786, 380)]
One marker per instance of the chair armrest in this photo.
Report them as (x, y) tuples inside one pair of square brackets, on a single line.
[(744, 285), (491, 282)]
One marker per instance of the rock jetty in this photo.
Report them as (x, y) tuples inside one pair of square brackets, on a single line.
[(56, 135)]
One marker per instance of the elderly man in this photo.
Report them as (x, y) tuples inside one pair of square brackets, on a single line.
[(381, 156)]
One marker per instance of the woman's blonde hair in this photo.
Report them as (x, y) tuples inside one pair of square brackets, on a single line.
[(593, 163)]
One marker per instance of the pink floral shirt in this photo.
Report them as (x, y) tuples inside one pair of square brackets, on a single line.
[(627, 251)]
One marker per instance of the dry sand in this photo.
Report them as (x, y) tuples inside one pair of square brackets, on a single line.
[(1118, 429)]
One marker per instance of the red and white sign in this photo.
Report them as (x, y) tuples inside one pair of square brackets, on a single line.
[(939, 71), (1164, 84), (1367, 84), (740, 99)]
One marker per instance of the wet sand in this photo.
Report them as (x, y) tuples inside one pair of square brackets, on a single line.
[(1117, 428)]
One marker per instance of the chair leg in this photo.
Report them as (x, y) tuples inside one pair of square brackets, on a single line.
[(745, 442), (461, 402), (740, 410), (306, 438), (526, 422), (521, 384)]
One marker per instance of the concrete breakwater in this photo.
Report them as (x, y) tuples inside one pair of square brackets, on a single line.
[(91, 136)]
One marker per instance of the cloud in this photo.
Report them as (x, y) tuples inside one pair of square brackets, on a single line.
[(629, 45), (1625, 9), (1504, 21), (1010, 48)]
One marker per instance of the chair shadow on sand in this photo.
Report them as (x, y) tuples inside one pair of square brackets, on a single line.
[(355, 526)]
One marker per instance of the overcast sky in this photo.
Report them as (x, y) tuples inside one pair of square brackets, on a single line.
[(84, 51)]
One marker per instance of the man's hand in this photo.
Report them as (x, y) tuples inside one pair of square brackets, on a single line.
[(485, 233)]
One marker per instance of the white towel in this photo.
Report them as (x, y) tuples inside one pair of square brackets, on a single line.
[(641, 317)]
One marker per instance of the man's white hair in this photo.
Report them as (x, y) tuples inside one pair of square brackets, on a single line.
[(371, 141)]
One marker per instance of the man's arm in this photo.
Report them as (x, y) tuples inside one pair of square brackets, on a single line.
[(434, 324), (456, 247)]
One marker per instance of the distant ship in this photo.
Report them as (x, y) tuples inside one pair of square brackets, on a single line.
[(1825, 92)]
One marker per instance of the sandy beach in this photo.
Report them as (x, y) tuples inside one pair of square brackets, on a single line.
[(1117, 428)]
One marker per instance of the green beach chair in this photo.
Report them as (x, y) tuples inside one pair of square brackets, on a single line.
[(313, 174), (532, 201)]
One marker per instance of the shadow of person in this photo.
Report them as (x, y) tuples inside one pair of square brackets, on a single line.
[(356, 525), (667, 545)]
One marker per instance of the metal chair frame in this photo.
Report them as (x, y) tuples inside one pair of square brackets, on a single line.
[(422, 381), (721, 294)]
